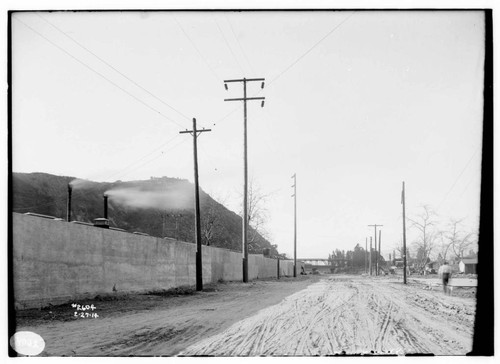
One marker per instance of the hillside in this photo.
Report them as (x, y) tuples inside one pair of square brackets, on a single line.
[(162, 207)]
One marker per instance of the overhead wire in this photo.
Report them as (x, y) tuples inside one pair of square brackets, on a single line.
[(99, 74), (297, 60), (144, 156), (111, 66), (458, 178), (310, 49), (214, 73), (227, 44), (239, 44), (152, 159)]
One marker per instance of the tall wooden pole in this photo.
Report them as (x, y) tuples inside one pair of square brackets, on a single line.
[(366, 257), (199, 264), (370, 261), (404, 233), (245, 166), (379, 249), (376, 255), (294, 225)]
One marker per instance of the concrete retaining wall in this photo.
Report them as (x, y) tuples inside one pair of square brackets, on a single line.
[(56, 261)]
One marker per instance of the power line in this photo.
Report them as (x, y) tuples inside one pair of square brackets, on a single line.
[(98, 73), (143, 157), (293, 63), (151, 160), (310, 49), (456, 180), (197, 50), (239, 44), (109, 65), (227, 44)]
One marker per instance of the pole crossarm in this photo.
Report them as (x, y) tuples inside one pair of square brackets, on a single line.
[(245, 80), (246, 98)]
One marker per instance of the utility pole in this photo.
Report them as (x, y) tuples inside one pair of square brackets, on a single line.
[(379, 248), (199, 267), (404, 233), (245, 165), (366, 252), (370, 262), (376, 255), (294, 225)]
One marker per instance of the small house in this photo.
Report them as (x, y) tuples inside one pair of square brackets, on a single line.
[(468, 265)]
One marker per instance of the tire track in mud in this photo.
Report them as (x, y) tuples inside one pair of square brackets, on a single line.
[(355, 315)]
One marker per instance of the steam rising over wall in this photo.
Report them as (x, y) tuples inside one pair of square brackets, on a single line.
[(177, 198)]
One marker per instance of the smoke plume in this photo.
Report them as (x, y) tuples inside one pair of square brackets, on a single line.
[(173, 199), (80, 183)]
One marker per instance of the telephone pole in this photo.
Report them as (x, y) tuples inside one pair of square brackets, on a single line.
[(404, 233), (370, 261), (294, 225), (376, 255), (245, 165), (379, 247), (366, 252), (199, 267)]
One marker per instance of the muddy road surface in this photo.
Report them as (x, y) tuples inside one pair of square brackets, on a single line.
[(306, 316), (351, 315)]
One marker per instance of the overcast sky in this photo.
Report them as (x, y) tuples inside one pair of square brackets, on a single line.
[(356, 103)]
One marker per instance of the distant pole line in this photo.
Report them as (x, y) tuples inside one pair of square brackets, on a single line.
[(245, 164), (294, 224), (404, 233), (199, 267), (376, 255)]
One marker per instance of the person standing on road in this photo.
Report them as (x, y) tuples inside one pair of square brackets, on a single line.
[(445, 274)]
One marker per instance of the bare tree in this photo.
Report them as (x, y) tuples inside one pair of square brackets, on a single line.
[(464, 242), (455, 240), (257, 216), (425, 223), (211, 221), (448, 239)]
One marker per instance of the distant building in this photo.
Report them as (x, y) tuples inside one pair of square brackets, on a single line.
[(468, 265)]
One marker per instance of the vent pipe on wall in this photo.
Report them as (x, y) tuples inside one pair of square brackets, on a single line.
[(105, 206), (68, 211)]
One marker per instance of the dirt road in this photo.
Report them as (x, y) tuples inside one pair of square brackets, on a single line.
[(352, 315), (152, 324), (307, 316)]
